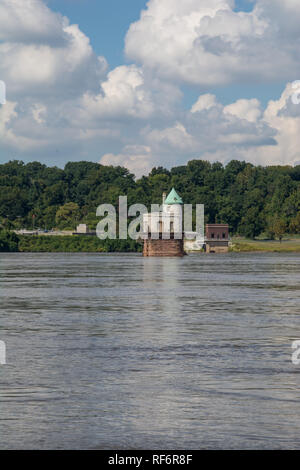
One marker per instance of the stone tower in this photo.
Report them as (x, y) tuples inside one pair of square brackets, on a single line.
[(163, 229)]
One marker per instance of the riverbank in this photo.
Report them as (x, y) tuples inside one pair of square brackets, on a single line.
[(75, 244), (243, 245), (10, 242)]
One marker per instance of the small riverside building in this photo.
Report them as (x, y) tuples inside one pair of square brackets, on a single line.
[(82, 228), (217, 238), (163, 229)]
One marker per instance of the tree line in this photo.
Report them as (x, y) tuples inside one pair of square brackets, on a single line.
[(253, 200)]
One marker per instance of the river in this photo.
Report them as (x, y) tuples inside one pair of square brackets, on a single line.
[(110, 351)]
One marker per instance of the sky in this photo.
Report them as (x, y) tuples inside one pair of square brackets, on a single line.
[(143, 84)]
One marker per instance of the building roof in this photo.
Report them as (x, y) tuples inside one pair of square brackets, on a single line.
[(173, 198)]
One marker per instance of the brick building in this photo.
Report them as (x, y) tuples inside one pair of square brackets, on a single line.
[(217, 238)]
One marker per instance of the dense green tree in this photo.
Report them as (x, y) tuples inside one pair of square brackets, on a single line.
[(277, 227), (245, 196), (251, 224), (8, 241), (68, 216), (295, 224)]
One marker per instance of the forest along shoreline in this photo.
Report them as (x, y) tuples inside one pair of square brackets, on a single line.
[(261, 205)]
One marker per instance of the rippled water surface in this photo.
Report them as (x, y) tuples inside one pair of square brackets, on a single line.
[(118, 351)]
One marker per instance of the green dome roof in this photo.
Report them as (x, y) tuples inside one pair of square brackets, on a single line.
[(173, 198)]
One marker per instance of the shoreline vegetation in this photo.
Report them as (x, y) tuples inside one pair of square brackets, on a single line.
[(290, 244), (252, 200), (260, 204), (10, 242), (75, 244)]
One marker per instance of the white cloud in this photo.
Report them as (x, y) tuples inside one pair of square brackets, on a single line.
[(199, 133), (123, 94), (241, 131), (8, 135), (208, 43), (7, 113), (41, 53), (137, 158), (176, 137), (283, 14), (245, 109), (62, 101), (206, 101), (30, 21), (281, 116)]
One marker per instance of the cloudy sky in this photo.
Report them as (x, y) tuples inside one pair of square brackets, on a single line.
[(141, 84)]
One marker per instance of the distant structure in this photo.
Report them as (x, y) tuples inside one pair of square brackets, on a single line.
[(162, 228), (164, 237), (82, 228), (217, 238)]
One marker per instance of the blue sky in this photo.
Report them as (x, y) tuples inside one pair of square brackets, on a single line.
[(106, 24), (191, 79)]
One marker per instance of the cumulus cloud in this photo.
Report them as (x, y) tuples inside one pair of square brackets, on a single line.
[(63, 101), (9, 136), (123, 94), (206, 101), (284, 117), (279, 123), (176, 137), (208, 43), (198, 133), (137, 158), (61, 89), (47, 65), (241, 130), (30, 21), (42, 53), (245, 109)]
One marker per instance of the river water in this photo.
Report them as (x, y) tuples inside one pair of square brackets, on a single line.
[(125, 352)]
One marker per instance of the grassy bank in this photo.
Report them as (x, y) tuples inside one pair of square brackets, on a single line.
[(240, 245), (10, 242), (73, 244)]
